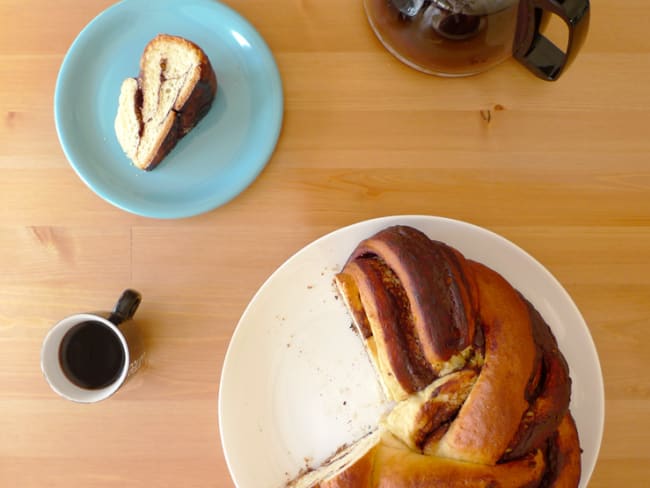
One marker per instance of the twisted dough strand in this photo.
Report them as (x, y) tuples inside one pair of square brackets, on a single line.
[(492, 409)]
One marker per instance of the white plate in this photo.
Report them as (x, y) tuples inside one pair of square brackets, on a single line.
[(296, 382)]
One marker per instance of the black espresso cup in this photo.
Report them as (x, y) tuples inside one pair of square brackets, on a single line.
[(87, 357), (466, 37)]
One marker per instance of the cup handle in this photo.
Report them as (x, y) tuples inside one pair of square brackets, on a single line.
[(125, 307), (536, 52)]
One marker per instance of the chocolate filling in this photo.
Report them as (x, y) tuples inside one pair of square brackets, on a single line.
[(434, 282), (411, 369)]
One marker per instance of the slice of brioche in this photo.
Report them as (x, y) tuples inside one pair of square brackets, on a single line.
[(173, 92)]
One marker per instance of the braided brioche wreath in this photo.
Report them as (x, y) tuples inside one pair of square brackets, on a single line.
[(481, 389)]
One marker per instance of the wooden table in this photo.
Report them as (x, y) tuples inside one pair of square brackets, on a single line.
[(561, 169)]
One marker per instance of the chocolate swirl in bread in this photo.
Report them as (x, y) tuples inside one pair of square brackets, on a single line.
[(482, 389), (173, 92), (413, 304)]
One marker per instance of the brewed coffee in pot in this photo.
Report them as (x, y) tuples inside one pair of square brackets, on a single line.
[(465, 37)]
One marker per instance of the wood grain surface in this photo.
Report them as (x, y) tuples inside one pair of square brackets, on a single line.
[(561, 169)]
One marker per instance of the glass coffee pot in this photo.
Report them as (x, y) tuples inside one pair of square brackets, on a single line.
[(466, 37)]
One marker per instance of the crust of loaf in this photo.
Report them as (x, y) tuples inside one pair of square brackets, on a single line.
[(389, 464), (490, 417), (173, 92), (495, 414), (413, 301), (428, 269), (397, 467)]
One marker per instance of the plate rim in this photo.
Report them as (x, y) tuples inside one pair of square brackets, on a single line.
[(66, 141), (394, 220)]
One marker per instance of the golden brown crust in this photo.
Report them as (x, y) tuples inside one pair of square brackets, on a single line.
[(388, 464), (490, 417), (398, 468), (496, 412)]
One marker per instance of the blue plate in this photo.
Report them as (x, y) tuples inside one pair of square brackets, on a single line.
[(220, 157)]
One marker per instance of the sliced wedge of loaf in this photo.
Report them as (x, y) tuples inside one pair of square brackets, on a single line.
[(173, 92)]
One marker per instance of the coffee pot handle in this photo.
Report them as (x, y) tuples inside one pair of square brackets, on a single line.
[(536, 52)]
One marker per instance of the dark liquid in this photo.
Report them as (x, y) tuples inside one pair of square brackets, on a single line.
[(91, 355), (435, 40)]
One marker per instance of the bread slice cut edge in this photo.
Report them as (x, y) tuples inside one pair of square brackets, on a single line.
[(173, 92)]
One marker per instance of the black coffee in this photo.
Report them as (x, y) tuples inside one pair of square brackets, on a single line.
[(91, 355)]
